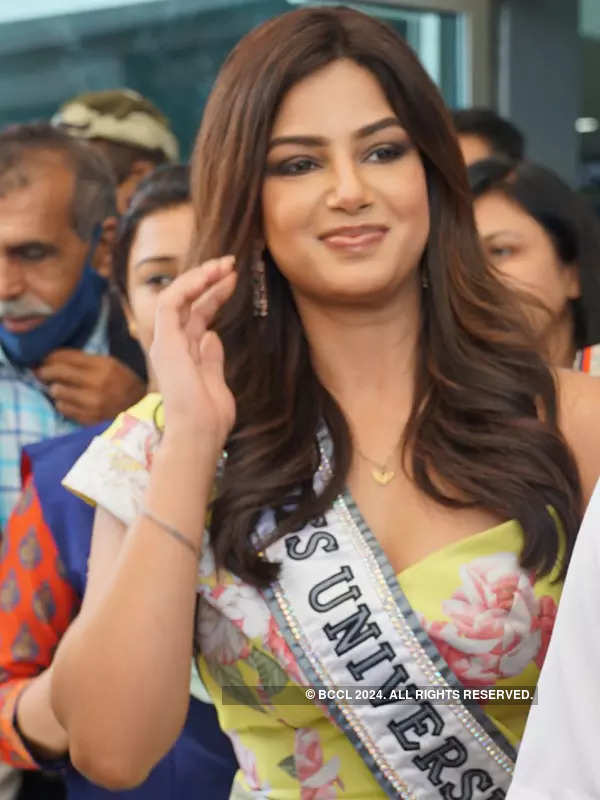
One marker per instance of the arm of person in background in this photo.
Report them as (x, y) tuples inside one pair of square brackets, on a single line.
[(121, 680), (579, 421), (36, 607), (89, 388)]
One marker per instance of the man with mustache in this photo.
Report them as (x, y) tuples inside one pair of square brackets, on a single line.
[(62, 341)]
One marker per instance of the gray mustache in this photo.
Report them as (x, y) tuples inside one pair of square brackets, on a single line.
[(25, 307)]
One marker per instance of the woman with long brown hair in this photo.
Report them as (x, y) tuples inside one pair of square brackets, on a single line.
[(396, 488)]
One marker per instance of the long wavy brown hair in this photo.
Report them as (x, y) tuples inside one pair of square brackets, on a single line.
[(484, 416)]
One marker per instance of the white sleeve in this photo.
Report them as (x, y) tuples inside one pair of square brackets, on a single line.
[(559, 755), (114, 471)]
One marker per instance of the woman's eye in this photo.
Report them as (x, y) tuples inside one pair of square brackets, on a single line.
[(296, 166), (498, 253), (388, 152), (159, 281)]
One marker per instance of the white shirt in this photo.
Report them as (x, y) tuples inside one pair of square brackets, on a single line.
[(559, 757)]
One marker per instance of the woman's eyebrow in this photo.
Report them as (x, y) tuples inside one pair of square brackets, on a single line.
[(505, 232), (146, 259), (321, 141)]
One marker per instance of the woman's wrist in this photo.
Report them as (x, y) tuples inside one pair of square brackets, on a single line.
[(181, 484), (191, 445)]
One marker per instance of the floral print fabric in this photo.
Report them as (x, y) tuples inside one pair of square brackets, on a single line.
[(489, 619), (497, 624)]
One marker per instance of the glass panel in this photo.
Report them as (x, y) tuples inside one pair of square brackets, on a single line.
[(169, 50)]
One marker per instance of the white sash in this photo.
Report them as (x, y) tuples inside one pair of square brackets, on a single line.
[(348, 623)]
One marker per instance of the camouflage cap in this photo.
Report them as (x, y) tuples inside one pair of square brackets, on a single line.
[(118, 115)]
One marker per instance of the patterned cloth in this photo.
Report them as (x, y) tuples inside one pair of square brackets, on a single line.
[(37, 605), (490, 620), (43, 565), (27, 414)]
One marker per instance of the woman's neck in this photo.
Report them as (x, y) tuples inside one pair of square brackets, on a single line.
[(366, 359)]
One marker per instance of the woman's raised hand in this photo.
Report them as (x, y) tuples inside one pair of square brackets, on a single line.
[(188, 359)]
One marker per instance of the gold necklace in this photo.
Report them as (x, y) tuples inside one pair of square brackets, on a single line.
[(380, 473)]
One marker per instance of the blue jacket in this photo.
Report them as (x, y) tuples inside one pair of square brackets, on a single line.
[(202, 759)]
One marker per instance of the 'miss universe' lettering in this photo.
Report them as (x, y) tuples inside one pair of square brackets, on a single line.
[(357, 627)]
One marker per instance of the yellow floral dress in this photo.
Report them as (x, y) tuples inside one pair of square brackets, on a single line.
[(490, 620)]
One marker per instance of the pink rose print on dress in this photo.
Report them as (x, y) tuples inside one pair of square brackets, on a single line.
[(244, 606), (149, 446), (128, 423), (498, 626), (230, 616), (275, 642), (247, 761), (317, 780), (138, 438), (546, 622)]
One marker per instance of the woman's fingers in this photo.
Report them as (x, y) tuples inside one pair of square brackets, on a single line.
[(211, 353), (190, 285), (173, 310), (212, 357), (188, 359), (203, 310)]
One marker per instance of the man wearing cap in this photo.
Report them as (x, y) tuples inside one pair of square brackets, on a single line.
[(129, 130), (66, 358)]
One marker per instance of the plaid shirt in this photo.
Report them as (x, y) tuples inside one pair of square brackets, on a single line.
[(27, 414)]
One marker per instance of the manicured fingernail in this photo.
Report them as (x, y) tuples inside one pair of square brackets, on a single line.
[(228, 261)]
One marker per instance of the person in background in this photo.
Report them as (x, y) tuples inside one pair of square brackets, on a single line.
[(544, 240), (483, 133), (66, 357), (558, 757), (127, 128), (43, 594)]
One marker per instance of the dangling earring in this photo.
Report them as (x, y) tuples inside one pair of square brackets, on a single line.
[(424, 278), (259, 281)]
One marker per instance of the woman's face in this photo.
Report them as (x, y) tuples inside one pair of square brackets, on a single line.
[(156, 258), (525, 256), (345, 208)]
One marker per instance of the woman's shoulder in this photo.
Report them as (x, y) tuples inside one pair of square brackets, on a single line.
[(579, 417)]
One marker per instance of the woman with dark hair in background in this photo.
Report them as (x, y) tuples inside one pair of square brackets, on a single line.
[(46, 544), (400, 493), (545, 241)]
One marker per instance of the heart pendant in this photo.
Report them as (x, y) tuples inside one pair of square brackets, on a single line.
[(383, 477)]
